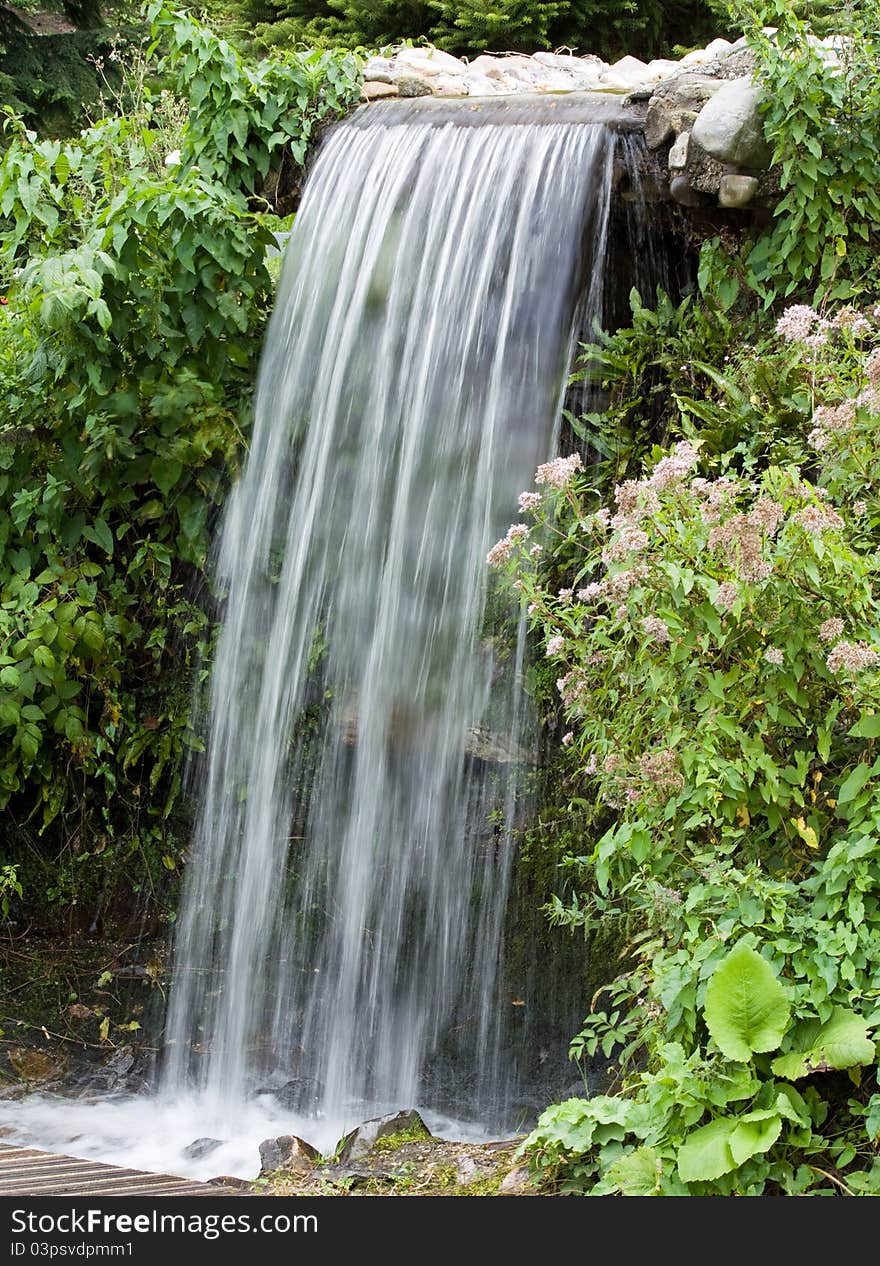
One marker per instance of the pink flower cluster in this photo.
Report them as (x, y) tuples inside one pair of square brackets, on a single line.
[(774, 655), (796, 323), (671, 470), (656, 629), (831, 629), (661, 769), (560, 472), (529, 501), (818, 518), (501, 550), (741, 538), (631, 540), (853, 657), (725, 598)]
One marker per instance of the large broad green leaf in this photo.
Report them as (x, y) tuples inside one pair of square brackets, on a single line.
[(637, 1173), (841, 1042), (756, 1132), (853, 784), (746, 1008), (705, 1154)]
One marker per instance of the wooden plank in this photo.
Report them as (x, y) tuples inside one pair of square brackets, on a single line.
[(25, 1171)]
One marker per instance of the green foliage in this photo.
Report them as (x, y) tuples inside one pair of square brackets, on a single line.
[(716, 642), (135, 259), (746, 1008), (9, 887), (472, 26), (822, 119), (53, 80)]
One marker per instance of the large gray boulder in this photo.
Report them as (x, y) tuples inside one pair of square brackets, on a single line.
[(729, 125), (360, 1142), (287, 1152)]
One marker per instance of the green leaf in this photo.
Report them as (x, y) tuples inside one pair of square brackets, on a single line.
[(637, 1173), (746, 1009), (705, 1154), (854, 783), (755, 1133), (165, 473), (867, 726), (102, 535), (841, 1042)]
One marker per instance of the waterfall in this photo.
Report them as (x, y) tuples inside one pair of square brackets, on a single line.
[(343, 912)]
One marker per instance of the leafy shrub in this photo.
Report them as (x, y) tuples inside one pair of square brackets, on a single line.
[(821, 116), (716, 640), (135, 258)]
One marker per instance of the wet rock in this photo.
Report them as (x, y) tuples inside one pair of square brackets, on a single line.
[(201, 1147), (659, 127), (414, 86), (517, 1183), (729, 126), (36, 1066), (289, 1153), (359, 1142), (375, 90), (683, 192), (703, 171), (122, 1062), (736, 191), (301, 1094), (227, 1180)]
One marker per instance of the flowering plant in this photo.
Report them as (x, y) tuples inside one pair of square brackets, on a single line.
[(716, 641)]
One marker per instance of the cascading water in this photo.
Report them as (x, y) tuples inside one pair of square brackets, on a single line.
[(341, 932), (410, 384)]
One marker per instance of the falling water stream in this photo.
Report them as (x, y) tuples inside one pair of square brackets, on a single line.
[(340, 945)]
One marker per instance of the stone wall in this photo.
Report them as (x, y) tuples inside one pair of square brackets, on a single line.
[(700, 114)]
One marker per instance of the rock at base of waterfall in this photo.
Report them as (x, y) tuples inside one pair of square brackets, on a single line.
[(201, 1147), (684, 193), (287, 1152), (729, 126), (737, 191), (361, 1140), (374, 90)]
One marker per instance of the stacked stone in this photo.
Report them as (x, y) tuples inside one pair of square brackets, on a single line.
[(702, 119)]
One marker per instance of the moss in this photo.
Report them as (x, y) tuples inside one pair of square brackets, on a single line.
[(393, 1142), (482, 1187)]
